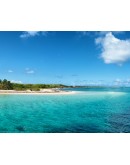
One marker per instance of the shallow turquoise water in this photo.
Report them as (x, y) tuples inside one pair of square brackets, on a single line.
[(89, 110)]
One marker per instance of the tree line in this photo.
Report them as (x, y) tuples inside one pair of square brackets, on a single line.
[(8, 85)]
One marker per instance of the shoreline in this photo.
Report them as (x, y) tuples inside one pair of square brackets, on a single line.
[(46, 92)]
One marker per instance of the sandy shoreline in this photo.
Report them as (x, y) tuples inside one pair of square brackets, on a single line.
[(49, 92)]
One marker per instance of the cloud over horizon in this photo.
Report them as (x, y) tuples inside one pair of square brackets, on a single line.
[(16, 81), (113, 50)]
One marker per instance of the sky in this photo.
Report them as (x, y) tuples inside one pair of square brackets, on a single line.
[(66, 57)]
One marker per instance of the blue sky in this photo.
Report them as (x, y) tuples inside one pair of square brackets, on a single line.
[(75, 58)]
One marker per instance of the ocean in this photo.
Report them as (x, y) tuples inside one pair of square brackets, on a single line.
[(93, 110)]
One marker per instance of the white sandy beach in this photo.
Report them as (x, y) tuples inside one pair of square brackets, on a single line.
[(41, 92)]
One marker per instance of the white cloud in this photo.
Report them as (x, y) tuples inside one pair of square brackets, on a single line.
[(97, 33), (30, 71), (118, 80), (128, 80), (10, 71), (114, 50), (16, 81), (28, 34), (102, 33), (85, 33)]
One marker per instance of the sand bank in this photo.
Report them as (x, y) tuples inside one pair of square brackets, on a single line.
[(41, 92)]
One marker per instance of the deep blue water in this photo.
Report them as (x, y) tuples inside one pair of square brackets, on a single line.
[(88, 111)]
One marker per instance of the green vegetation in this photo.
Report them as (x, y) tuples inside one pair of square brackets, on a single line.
[(7, 85), (35, 87)]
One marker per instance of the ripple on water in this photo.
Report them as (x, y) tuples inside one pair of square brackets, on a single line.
[(80, 112)]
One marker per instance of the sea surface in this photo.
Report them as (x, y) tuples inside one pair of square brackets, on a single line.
[(101, 110)]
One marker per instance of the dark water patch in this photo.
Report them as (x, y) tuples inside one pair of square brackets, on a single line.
[(120, 122), (20, 128), (83, 128)]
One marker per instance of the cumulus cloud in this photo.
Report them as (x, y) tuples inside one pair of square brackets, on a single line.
[(113, 49), (16, 81)]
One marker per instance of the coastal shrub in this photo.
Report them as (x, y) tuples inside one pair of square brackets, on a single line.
[(7, 85)]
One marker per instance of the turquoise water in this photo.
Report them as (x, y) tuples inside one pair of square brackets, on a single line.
[(87, 111)]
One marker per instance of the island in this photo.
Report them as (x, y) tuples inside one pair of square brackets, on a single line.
[(7, 87)]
